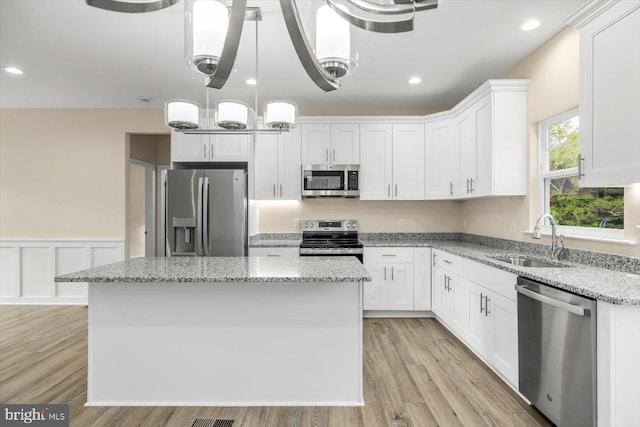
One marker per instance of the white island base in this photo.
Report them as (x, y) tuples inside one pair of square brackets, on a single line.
[(225, 344)]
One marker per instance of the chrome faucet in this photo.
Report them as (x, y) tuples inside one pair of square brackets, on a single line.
[(556, 247)]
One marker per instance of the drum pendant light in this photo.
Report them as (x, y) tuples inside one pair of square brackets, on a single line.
[(181, 114)]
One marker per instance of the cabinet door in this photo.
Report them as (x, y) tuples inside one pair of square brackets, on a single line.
[(476, 331), (441, 160), (345, 144), (400, 276), (408, 162), (316, 144), (289, 166), (375, 161), (437, 289), (502, 335), (188, 147), (466, 130), (266, 167), (228, 148), (483, 181), (376, 292), (422, 279), (458, 287), (609, 97)]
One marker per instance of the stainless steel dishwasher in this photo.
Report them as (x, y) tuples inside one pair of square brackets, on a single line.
[(557, 353)]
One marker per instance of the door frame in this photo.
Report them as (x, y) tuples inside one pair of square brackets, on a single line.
[(161, 211), (149, 205)]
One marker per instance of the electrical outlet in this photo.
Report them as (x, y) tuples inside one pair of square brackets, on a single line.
[(401, 223), (296, 223)]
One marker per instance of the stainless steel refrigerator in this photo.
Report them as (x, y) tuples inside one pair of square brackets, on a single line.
[(206, 212)]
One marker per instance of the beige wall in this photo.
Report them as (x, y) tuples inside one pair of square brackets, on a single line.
[(63, 171), (151, 148), (373, 216), (553, 70)]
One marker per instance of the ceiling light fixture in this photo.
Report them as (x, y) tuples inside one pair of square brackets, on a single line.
[(333, 43), (530, 25), (232, 115), (13, 70), (415, 80), (181, 114), (131, 7), (280, 115)]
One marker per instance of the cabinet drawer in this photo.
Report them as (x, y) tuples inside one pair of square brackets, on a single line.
[(384, 255), (275, 252), (492, 278), (447, 261)]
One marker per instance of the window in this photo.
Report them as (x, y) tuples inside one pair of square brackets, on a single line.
[(595, 212)]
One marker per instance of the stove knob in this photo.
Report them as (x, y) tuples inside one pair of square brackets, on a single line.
[(306, 225), (349, 225), (311, 225)]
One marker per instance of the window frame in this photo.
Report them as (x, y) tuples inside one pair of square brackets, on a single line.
[(544, 174)]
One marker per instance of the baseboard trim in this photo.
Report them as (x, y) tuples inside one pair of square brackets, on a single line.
[(223, 404), (397, 314)]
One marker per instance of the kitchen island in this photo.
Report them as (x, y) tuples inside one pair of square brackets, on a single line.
[(211, 331)]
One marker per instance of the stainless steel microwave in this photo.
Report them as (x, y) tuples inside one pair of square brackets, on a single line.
[(330, 181)]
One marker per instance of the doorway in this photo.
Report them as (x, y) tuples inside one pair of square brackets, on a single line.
[(149, 156)]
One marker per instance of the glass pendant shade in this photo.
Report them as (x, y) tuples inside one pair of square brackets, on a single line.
[(206, 24), (280, 114), (333, 42), (180, 114), (232, 115)]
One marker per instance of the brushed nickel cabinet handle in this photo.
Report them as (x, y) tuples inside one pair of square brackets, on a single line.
[(481, 308), (391, 273), (486, 305), (580, 160), (204, 150), (280, 190), (327, 153), (434, 260), (472, 180), (385, 273), (396, 190), (389, 190), (451, 188), (334, 154), (274, 190)]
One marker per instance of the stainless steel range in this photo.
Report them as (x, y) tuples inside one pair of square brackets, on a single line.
[(331, 238)]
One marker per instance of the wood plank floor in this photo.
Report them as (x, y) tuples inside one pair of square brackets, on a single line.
[(416, 374)]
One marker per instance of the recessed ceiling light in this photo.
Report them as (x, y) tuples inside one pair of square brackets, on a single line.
[(251, 82), (415, 80), (530, 25), (13, 70)]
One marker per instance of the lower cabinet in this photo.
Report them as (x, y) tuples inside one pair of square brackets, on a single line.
[(401, 279), (478, 303)]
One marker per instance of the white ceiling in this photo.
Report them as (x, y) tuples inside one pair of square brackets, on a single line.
[(76, 56)]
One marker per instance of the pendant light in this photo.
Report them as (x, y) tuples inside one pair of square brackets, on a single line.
[(206, 24), (333, 42), (181, 114), (232, 115), (280, 115)]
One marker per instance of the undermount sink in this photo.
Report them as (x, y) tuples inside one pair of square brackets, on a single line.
[(524, 261)]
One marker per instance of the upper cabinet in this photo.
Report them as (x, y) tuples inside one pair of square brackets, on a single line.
[(331, 144), (491, 130), (392, 161), (277, 166), (441, 159), (609, 94), (209, 148)]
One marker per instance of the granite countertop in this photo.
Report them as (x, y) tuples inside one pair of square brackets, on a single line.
[(275, 243), (610, 286), (225, 269)]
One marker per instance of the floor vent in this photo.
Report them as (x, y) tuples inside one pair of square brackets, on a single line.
[(208, 422)]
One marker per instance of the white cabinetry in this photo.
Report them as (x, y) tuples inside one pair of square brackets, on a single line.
[(277, 166), (392, 274), (331, 144), (209, 148), (492, 131), (275, 252), (375, 161), (610, 97), (422, 279), (478, 303), (392, 162), (441, 160)]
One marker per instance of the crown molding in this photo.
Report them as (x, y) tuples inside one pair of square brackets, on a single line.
[(588, 12)]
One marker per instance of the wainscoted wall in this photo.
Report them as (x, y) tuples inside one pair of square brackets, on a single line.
[(27, 268)]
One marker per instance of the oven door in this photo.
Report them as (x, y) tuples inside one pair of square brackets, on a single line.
[(356, 252)]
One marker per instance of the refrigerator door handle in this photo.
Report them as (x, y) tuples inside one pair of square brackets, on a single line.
[(199, 219), (205, 217)]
